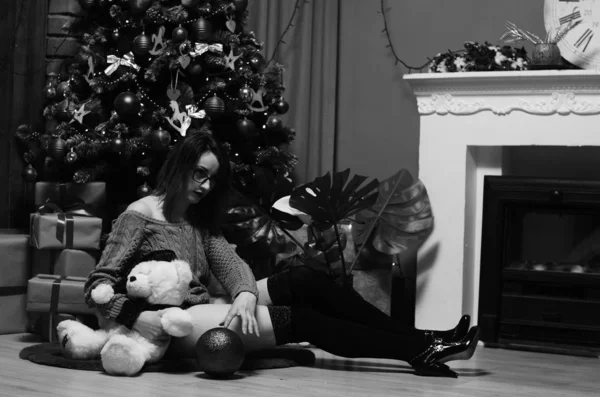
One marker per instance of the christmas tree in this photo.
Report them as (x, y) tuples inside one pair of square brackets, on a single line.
[(148, 74)]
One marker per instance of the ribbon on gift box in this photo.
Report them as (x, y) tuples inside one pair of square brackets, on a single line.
[(55, 291), (65, 226)]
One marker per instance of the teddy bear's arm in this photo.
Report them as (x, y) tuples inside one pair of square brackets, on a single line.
[(122, 245), (176, 321)]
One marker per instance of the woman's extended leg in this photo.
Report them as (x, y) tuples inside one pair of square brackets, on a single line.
[(303, 285), (209, 316), (281, 324)]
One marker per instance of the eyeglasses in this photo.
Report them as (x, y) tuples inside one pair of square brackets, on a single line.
[(201, 176)]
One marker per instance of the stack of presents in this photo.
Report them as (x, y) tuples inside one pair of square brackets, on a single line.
[(44, 269)]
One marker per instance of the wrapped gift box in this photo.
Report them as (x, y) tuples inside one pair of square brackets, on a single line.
[(60, 230), (74, 263), (92, 193), (57, 294), (15, 271)]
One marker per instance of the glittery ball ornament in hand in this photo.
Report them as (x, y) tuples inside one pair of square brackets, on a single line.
[(126, 104), (220, 352)]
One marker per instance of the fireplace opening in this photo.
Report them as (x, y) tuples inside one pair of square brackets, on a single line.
[(540, 265)]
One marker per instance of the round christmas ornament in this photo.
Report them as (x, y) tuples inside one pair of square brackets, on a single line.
[(57, 149), (160, 139), (141, 45), (220, 352), (257, 62), (117, 144), (139, 6), (240, 5), (247, 128), (195, 69), (87, 4), (126, 104), (29, 174), (144, 190), (246, 94), (281, 106), (61, 88), (189, 3), (50, 93), (214, 107), (71, 157), (201, 29), (116, 35), (179, 34), (274, 121)]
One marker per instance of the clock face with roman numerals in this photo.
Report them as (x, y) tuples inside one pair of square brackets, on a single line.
[(581, 45)]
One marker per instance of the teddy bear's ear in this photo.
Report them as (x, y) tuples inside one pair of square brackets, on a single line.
[(159, 255)]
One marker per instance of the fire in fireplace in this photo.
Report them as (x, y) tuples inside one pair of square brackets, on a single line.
[(540, 265)]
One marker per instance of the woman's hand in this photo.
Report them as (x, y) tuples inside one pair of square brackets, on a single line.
[(149, 326), (244, 306)]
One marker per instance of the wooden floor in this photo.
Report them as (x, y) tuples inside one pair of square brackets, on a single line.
[(491, 372)]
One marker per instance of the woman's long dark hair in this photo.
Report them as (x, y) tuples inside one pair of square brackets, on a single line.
[(173, 177)]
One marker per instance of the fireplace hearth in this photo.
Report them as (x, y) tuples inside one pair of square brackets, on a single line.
[(540, 265)]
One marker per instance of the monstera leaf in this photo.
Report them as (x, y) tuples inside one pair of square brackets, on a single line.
[(400, 217), (328, 200), (249, 223)]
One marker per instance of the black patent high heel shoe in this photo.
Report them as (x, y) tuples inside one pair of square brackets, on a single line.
[(455, 334), (431, 361)]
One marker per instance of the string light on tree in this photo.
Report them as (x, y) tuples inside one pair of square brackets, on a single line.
[(144, 190)]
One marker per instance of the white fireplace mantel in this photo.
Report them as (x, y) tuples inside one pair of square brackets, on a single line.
[(466, 120)]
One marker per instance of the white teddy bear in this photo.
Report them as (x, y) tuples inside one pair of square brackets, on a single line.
[(124, 351)]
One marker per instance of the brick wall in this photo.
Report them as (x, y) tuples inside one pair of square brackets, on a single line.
[(60, 46)]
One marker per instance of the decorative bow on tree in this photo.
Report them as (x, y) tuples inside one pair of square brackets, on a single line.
[(201, 48), (115, 62)]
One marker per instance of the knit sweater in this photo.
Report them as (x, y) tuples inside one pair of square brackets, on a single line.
[(134, 235)]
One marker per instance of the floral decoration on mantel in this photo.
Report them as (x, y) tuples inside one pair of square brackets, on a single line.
[(480, 57)]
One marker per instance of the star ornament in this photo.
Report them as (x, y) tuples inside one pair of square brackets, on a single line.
[(230, 60), (80, 113)]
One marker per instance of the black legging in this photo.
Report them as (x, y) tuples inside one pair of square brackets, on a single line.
[(302, 285)]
